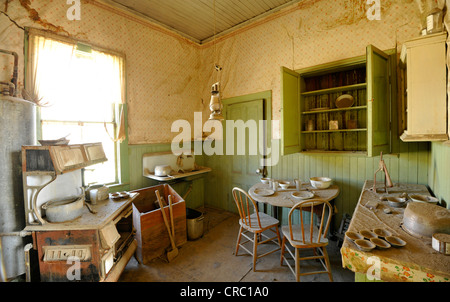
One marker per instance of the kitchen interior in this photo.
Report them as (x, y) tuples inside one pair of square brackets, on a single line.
[(116, 166)]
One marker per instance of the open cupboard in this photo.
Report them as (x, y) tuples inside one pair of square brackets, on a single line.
[(312, 122)]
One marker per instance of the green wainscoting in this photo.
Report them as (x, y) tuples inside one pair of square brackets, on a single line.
[(349, 171), (417, 163), (439, 172)]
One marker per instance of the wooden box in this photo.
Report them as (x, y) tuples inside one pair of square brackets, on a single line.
[(151, 232)]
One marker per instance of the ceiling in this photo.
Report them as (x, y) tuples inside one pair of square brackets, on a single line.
[(201, 20)]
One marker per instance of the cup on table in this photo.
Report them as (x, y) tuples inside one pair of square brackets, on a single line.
[(298, 184), (275, 185)]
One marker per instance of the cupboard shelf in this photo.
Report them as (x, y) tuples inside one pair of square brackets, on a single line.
[(335, 89), (335, 110), (310, 119), (338, 130)]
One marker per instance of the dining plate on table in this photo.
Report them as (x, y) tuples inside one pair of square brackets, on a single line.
[(264, 192), (302, 195)]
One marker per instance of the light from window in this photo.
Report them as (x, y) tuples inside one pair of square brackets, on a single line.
[(84, 90)]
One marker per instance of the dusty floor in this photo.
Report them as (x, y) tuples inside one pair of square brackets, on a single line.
[(211, 259)]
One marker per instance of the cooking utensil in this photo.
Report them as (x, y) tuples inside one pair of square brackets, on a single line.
[(174, 252), (65, 209)]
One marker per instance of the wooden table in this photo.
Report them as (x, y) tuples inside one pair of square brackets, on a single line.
[(416, 261), (283, 198)]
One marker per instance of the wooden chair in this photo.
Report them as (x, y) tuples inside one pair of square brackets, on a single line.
[(307, 235), (256, 223)]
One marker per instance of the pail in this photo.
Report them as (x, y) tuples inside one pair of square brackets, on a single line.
[(194, 220)]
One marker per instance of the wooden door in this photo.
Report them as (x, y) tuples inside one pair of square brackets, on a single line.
[(378, 102), (244, 161)]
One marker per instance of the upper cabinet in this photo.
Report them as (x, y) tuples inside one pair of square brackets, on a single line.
[(342, 106), (423, 102)]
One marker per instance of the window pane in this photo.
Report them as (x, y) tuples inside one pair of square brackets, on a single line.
[(88, 133), (83, 95)]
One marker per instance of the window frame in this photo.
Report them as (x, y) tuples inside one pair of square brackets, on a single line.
[(122, 178)]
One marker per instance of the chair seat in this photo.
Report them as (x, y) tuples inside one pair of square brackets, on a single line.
[(267, 222), (298, 238)]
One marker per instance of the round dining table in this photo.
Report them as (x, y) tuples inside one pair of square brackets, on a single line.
[(283, 197)]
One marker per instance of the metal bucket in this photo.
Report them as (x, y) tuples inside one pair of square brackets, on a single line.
[(194, 220)]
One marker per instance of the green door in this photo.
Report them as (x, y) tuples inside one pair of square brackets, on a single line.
[(246, 157), (378, 102), (290, 112)]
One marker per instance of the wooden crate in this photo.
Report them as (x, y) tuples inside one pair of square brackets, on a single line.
[(151, 232)]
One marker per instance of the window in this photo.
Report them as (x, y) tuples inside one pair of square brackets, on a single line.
[(83, 92)]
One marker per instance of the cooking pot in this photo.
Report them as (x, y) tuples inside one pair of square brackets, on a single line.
[(163, 170), (64, 210), (425, 219)]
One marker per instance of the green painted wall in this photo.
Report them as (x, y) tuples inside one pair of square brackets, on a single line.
[(439, 172), (408, 165), (418, 163)]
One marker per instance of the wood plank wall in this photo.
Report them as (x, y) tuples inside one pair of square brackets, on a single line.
[(417, 163), (439, 171), (408, 165)]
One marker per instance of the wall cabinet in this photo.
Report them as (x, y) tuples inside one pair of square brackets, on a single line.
[(424, 86), (312, 120)]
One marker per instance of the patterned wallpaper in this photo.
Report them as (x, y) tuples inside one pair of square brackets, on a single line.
[(308, 34), (169, 78)]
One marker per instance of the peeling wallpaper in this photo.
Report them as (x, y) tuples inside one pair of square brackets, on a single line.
[(162, 70), (169, 78)]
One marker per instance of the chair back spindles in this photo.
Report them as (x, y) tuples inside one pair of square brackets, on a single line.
[(315, 208), (245, 205)]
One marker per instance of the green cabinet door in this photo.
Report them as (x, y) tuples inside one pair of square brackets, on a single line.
[(290, 112), (378, 102)]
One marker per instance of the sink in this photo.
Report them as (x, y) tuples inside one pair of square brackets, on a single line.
[(182, 166)]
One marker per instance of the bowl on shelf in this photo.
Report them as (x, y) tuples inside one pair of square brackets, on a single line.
[(320, 182), (344, 101)]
